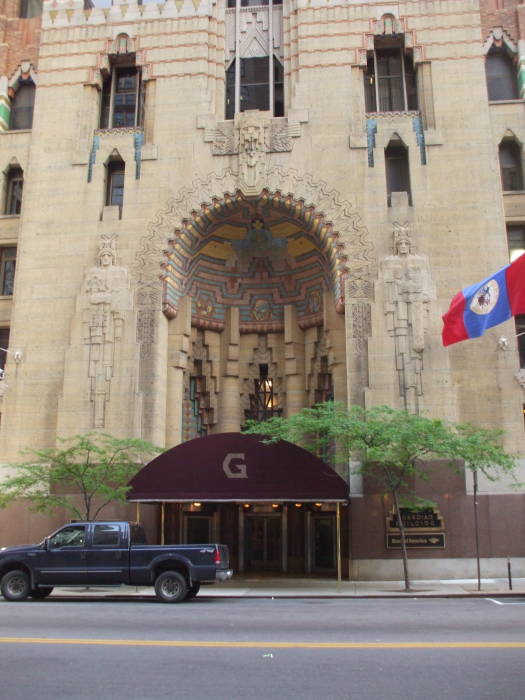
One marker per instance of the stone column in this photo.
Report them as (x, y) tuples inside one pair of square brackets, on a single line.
[(358, 329), (179, 330), (229, 420), (294, 362), (426, 94)]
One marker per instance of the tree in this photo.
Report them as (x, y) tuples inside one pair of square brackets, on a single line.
[(95, 467), (392, 446)]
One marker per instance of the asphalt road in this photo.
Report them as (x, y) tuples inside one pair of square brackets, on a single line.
[(379, 649)]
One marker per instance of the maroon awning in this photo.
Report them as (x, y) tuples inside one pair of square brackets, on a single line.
[(236, 467)]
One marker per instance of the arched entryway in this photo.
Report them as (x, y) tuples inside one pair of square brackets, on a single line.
[(254, 290)]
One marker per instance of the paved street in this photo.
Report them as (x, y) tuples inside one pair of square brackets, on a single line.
[(283, 648)]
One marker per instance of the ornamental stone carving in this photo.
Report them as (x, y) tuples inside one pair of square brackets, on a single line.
[(252, 126), (408, 291), (108, 297), (251, 136)]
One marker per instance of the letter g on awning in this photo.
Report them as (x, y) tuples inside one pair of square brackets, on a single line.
[(236, 467)]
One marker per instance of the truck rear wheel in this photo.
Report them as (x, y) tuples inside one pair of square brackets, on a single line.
[(15, 585), (171, 587)]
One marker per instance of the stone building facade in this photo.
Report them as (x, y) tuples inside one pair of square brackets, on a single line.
[(220, 209)]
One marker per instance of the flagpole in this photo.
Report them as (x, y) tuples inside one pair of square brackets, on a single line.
[(476, 529)]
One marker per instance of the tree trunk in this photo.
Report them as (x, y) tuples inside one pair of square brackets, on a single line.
[(404, 552)]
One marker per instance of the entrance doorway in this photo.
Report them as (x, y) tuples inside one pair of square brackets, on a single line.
[(263, 543), (324, 542)]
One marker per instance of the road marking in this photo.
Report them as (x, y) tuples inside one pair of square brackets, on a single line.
[(264, 645), (502, 602)]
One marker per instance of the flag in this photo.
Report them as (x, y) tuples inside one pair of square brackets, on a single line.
[(481, 306)]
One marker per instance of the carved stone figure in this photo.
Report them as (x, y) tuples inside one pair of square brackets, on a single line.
[(259, 242), (108, 295), (252, 150), (408, 292)]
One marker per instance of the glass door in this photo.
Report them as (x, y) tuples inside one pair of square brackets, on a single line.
[(263, 543), (323, 542)]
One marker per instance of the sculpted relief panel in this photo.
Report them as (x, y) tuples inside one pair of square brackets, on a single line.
[(409, 290), (108, 295)]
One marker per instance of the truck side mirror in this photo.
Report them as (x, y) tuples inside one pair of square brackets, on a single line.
[(46, 543)]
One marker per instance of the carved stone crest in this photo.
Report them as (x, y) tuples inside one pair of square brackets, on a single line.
[(251, 136)]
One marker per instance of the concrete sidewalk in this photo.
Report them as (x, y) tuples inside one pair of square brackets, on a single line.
[(264, 587)]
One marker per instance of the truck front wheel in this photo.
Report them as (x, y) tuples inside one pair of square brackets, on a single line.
[(15, 585), (171, 587)]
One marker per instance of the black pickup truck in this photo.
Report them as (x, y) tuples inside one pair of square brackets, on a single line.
[(110, 554)]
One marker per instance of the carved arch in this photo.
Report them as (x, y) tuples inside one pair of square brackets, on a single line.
[(336, 223)]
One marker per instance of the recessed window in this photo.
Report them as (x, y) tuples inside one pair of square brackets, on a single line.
[(121, 104), (7, 270), (30, 8), (254, 74), (115, 183), (22, 107), (516, 241), (255, 85), (263, 401), (15, 186), (397, 170), (502, 79), (4, 343), (390, 79), (510, 166)]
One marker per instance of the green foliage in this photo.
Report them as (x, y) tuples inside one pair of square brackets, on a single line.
[(94, 466), (389, 444), (393, 447)]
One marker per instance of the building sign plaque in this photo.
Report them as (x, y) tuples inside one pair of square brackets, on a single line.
[(424, 528), (430, 540), (427, 519)]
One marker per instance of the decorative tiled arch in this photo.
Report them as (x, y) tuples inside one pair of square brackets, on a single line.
[(332, 222)]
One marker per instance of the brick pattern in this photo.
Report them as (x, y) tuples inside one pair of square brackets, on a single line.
[(19, 38)]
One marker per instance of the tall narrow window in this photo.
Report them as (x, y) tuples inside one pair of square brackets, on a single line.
[(390, 79), (7, 270), (397, 170), (22, 106), (502, 80), (516, 241), (115, 182), (263, 402), (510, 166), (254, 72), (4, 343), (15, 185), (30, 8), (121, 103)]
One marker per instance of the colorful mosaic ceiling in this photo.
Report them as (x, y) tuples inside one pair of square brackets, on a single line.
[(259, 255)]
